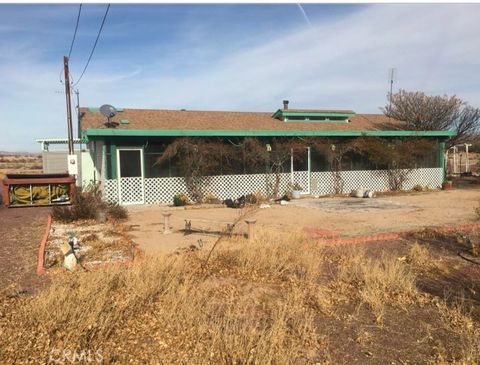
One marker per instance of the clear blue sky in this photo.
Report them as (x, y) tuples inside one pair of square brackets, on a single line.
[(228, 57)]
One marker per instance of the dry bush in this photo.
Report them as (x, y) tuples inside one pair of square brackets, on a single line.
[(87, 204), (418, 188), (387, 281), (117, 212), (376, 281), (273, 255), (419, 257), (210, 198)]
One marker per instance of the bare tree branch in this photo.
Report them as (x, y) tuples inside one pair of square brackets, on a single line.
[(424, 112)]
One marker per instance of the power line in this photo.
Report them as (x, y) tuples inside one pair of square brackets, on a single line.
[(73, 41), (95, 45), (75, 33)]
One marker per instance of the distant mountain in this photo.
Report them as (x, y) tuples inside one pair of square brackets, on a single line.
[(10, 153)]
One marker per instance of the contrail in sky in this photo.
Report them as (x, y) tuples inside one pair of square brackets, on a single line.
[(304, 15)]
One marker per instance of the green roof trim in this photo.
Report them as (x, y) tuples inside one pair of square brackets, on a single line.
[(111, 132), (342, 121), (314, 114), (124, 121)]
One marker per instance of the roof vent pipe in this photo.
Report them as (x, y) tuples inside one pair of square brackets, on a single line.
[(285, 105)]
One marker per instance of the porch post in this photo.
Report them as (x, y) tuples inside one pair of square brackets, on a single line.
[(467, 162), (309, 170), (454, 159), (103, 164), (113, 160), (442, 158), (291, 165)]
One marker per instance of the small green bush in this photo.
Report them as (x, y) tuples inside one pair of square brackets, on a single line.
[(180, 199)]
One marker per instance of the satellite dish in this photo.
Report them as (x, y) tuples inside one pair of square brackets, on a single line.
[(108, 110)]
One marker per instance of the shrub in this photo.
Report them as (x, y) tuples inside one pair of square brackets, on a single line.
[(86, 204), (116, 211), (378, 282), (180, 199), (419, 257), (211, 199), (417, 187), (256, 198)]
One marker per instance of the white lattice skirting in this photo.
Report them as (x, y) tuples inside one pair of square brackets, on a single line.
[(162, 190)]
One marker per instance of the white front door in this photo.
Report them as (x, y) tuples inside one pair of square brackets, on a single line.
[(131, 187)]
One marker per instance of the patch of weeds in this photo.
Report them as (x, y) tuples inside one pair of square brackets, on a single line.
[(419, 256)]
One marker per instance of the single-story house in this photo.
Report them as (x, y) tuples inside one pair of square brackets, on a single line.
[(124, 149)]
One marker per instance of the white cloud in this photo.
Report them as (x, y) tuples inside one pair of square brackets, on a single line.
[(345, 63), (339, 64)]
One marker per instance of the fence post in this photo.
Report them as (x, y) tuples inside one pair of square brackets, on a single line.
[(166, 222), (251, 229)]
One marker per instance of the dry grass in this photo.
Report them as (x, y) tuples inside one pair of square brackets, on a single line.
[(420, 257), (457, 318), (376, 281), (265, 302)]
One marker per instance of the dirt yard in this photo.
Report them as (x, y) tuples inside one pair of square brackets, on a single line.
[(335, 217), (21, 230)]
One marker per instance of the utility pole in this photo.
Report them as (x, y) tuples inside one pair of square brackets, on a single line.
[(77, 93), (392, 73), (69, 105)]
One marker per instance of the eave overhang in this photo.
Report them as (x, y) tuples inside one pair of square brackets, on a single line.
[(92, 133)]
